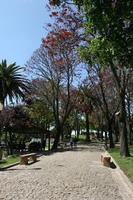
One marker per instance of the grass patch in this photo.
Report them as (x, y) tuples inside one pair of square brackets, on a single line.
[(126, 164), (10, 160), (82, 140)]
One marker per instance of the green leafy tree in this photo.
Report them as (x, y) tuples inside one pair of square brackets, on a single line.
[(12, 84), (109, 28)]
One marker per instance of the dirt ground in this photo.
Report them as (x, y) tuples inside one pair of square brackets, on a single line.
[(69, 175)]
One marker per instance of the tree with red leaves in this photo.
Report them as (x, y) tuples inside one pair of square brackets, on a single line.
[(84, 105), (56, 61), (57, 87), (104, 88), (111, 46)]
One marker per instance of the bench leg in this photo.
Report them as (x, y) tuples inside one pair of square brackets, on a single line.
[(106, 161), (101, 158), (33, 158), (24, 161)]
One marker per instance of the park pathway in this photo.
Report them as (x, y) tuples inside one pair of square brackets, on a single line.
[(68, 175)]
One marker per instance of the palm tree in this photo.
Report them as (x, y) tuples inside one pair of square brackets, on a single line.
[(12, 84)]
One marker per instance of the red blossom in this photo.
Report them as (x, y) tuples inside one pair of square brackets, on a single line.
[(50, 52), (60, 20), (49, 24), (54, 13)]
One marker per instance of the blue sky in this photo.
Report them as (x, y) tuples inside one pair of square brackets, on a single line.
[(21, 28)]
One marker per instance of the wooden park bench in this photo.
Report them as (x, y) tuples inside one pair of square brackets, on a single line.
[(28, 157), (64, 145), (105, 159)]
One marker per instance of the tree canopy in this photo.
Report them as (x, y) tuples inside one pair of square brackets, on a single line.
[(12, 83)]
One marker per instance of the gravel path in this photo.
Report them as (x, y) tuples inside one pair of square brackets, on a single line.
[(69, 175)]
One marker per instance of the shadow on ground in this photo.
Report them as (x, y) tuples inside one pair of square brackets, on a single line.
[(112, 165), (81, 148), (89, 148), (20, 169)]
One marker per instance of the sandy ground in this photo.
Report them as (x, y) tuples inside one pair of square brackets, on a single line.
[(69, 175)]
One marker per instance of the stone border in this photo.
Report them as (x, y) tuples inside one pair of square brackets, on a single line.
[(14, 164), (122, 180), (8, 166)]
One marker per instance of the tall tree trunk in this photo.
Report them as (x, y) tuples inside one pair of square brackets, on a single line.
[(10, 145), (107, 113), (0, 147), (111, 142), (124, 151), (102, 133), (129, 117), (1, 108), (62, 136), (57, 137), (116, 129), (56, 141), (1, 103), (42, 139), (87, 128), (78, 129), (77, 126), (129, 120), (69, 131), (130, 133), (121, 86), (6, 143), (76, 134), (98, 134), (106, 140)]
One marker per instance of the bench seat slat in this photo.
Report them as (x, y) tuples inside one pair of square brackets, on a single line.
[(27, 155), (24, 158)]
